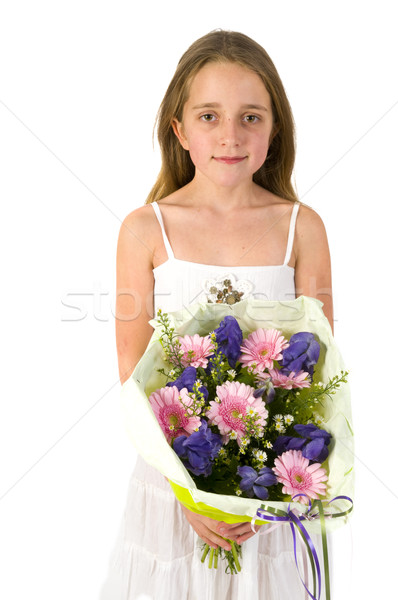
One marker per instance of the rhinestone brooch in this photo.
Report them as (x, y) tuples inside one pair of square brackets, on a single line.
[(227, 289)]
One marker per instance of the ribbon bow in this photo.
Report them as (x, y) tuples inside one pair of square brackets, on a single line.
[(295, 520)]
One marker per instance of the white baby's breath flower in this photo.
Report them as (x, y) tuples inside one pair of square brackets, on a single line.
[(232, 373), (260, 455), (318, 419), (289, 419), (278, 418), (172, 373), (238, 492), (222, 452), (280, 428), (233, 435), (268, 445)]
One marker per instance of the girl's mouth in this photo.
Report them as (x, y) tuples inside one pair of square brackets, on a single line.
[(229, 160)]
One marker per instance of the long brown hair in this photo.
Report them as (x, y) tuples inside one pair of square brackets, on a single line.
[(225, 46)]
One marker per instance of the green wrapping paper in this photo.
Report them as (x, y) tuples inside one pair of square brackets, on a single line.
[(301, 314)]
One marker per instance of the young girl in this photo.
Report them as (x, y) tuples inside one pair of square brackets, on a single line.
[(223, 207)]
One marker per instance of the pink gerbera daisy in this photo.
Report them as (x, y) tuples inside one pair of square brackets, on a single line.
[(299, 477), (236, 401), (171, 414), (195, 350), (261, 348), (293, 380)]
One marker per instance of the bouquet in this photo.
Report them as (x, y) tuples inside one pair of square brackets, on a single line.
[(250, 404)]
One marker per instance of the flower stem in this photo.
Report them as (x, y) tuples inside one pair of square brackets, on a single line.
[(231, 556), (235, 555), (217, 552), (205, 553), (211, 558)]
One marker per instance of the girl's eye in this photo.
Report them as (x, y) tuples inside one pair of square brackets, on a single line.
[(251, 118), (208, 117)]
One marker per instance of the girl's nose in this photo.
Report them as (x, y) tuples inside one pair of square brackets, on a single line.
[(229, 132)]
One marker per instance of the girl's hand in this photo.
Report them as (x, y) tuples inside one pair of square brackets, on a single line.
[(213, 532), (239, 532)]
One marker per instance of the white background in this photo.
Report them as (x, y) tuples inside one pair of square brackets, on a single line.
[(80, 83)]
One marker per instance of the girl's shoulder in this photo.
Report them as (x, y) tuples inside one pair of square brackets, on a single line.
[(143, 216), (308, 221), (307, 217), (311, 243), (139, 231), (309, 224), (309, 229)]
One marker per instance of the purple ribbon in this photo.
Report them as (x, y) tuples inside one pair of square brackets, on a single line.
[(294, 521)]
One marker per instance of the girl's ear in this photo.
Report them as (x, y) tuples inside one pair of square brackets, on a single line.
[(274, 131), (179, 131)]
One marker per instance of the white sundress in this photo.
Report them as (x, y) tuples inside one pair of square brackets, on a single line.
[(157, 553)]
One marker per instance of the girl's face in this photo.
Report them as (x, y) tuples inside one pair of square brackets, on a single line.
[(227, 123)]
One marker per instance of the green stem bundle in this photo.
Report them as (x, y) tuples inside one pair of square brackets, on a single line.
[(231, 556)]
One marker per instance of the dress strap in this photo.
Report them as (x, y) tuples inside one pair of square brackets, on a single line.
[(159, 217), (291, 232)]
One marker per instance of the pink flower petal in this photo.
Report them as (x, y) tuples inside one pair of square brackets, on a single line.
[(195, 350), (235, 401), (168, 406), (298, 476), (261, 348)]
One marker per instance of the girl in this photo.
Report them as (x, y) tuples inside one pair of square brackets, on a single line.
[(223, 207)]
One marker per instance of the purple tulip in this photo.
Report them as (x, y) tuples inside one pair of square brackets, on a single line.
[(198, 450), (301, 355), (313, 443), (312, 431), (283, 443), (229, 338), (187, 380), (315, 449), (255, 484)]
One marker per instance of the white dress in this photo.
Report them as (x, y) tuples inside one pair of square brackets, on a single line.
[(157, 553)]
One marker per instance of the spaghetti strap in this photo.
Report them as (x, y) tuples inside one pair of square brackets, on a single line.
[(159, 217), (291, 232)]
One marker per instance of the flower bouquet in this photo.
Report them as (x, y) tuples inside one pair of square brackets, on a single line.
[(244, 404)]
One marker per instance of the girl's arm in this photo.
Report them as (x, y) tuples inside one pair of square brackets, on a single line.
[(134, 307), (313, 268), (134, 289)]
